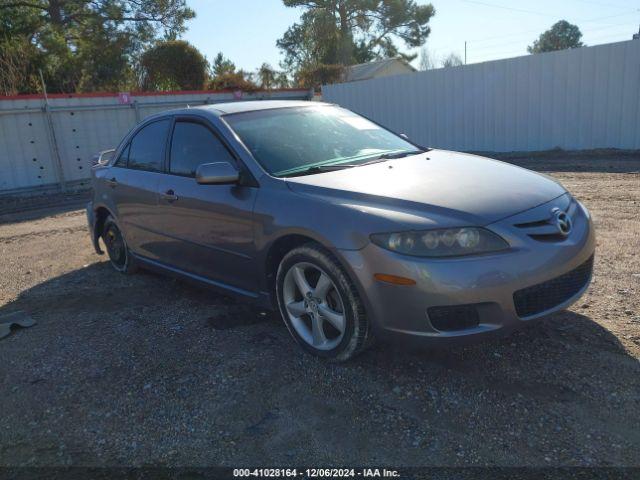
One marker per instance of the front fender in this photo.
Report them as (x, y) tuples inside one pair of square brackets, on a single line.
[(95, 221), (93, 228), (280, 212)]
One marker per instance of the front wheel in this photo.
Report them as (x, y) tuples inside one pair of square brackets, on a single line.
[(117, 249), (320, 304)]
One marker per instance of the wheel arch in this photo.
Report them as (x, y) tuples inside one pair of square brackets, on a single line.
[(101, 213), (276, 252), (287, 242)]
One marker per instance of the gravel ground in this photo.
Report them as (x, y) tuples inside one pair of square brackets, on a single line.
[(146, 370)]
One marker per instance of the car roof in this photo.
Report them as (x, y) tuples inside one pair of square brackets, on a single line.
[(225, 108), (253, 105)]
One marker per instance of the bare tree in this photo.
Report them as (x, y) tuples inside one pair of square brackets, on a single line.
[(427, 60), (451, 60)]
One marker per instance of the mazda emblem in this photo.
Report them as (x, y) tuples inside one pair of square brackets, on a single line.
[(562, 221)]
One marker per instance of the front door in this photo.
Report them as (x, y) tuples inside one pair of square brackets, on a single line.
[(208, 229)]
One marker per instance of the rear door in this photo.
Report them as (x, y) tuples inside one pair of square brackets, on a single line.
[(133, 181), (208, 229)]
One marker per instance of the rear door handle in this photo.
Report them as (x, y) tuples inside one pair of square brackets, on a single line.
[(112, 182), (169, 196)]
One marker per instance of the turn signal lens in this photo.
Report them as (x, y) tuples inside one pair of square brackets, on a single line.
[(383, 277)]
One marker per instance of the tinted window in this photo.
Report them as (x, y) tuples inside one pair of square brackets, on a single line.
[(123, 158), (194, 144), (147, 147)]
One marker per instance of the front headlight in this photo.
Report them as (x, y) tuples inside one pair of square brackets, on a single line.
[(445, 242)]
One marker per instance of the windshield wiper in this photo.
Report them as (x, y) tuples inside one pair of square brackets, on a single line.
[(406, 153), (320, 169), (342, 166)]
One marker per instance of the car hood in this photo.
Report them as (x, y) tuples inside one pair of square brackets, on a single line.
[(448, 184)]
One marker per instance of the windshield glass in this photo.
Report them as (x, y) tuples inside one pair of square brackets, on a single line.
[(290, 140)]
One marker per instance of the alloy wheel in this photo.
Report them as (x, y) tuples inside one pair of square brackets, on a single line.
[(314, 306)]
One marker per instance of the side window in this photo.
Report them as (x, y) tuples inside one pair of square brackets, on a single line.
[(194, 144), (147, 147), (123, 158)]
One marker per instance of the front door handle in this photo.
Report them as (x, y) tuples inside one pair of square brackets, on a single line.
[(112, 182), (169, 196)]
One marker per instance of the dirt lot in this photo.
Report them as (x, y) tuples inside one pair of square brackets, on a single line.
[(146, 370)]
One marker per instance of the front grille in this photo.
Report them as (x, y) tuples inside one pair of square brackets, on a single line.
[(544, 296), (456, 317), (546, 229)]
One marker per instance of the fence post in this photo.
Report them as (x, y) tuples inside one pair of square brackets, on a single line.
[(136, 109), (53, 145)]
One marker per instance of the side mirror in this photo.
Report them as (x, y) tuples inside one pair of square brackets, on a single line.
[(103, 157), (218, 173)]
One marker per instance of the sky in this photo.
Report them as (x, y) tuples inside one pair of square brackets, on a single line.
[(246, 30)]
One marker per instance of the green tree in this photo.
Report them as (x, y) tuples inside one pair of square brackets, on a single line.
[(239, 80), (224, 76), (17, 72), (267, 76), (271, 78), (222, 65), (86, 45), (313, 41), (18, 57), (561, 36), (173, 65), (282, 80), (343, 32), (315, 76)]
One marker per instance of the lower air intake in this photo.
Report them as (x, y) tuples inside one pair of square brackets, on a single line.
[(545, 296), (452, 318)]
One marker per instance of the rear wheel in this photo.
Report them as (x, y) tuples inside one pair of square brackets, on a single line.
[(117, 249), (320, 305)]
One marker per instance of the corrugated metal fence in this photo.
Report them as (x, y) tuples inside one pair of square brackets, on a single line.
[(50, 146), (578, 99)]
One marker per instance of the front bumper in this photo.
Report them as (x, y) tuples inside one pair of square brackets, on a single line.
[(488, 282)]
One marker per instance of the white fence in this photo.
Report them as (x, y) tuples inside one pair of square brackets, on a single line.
[(578, 99), (50, 147)]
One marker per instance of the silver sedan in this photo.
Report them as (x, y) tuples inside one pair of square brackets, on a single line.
[(351, 231)]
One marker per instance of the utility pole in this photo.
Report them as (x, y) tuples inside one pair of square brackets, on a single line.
[(465, 52), (53, 143)]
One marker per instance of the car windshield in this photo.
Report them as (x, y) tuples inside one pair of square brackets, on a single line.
[(290, 141)]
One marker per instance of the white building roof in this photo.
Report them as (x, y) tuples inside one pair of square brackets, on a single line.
[(364, 71)]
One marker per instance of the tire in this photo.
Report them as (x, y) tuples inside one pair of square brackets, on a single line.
[(119, 256), (314, 319)]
